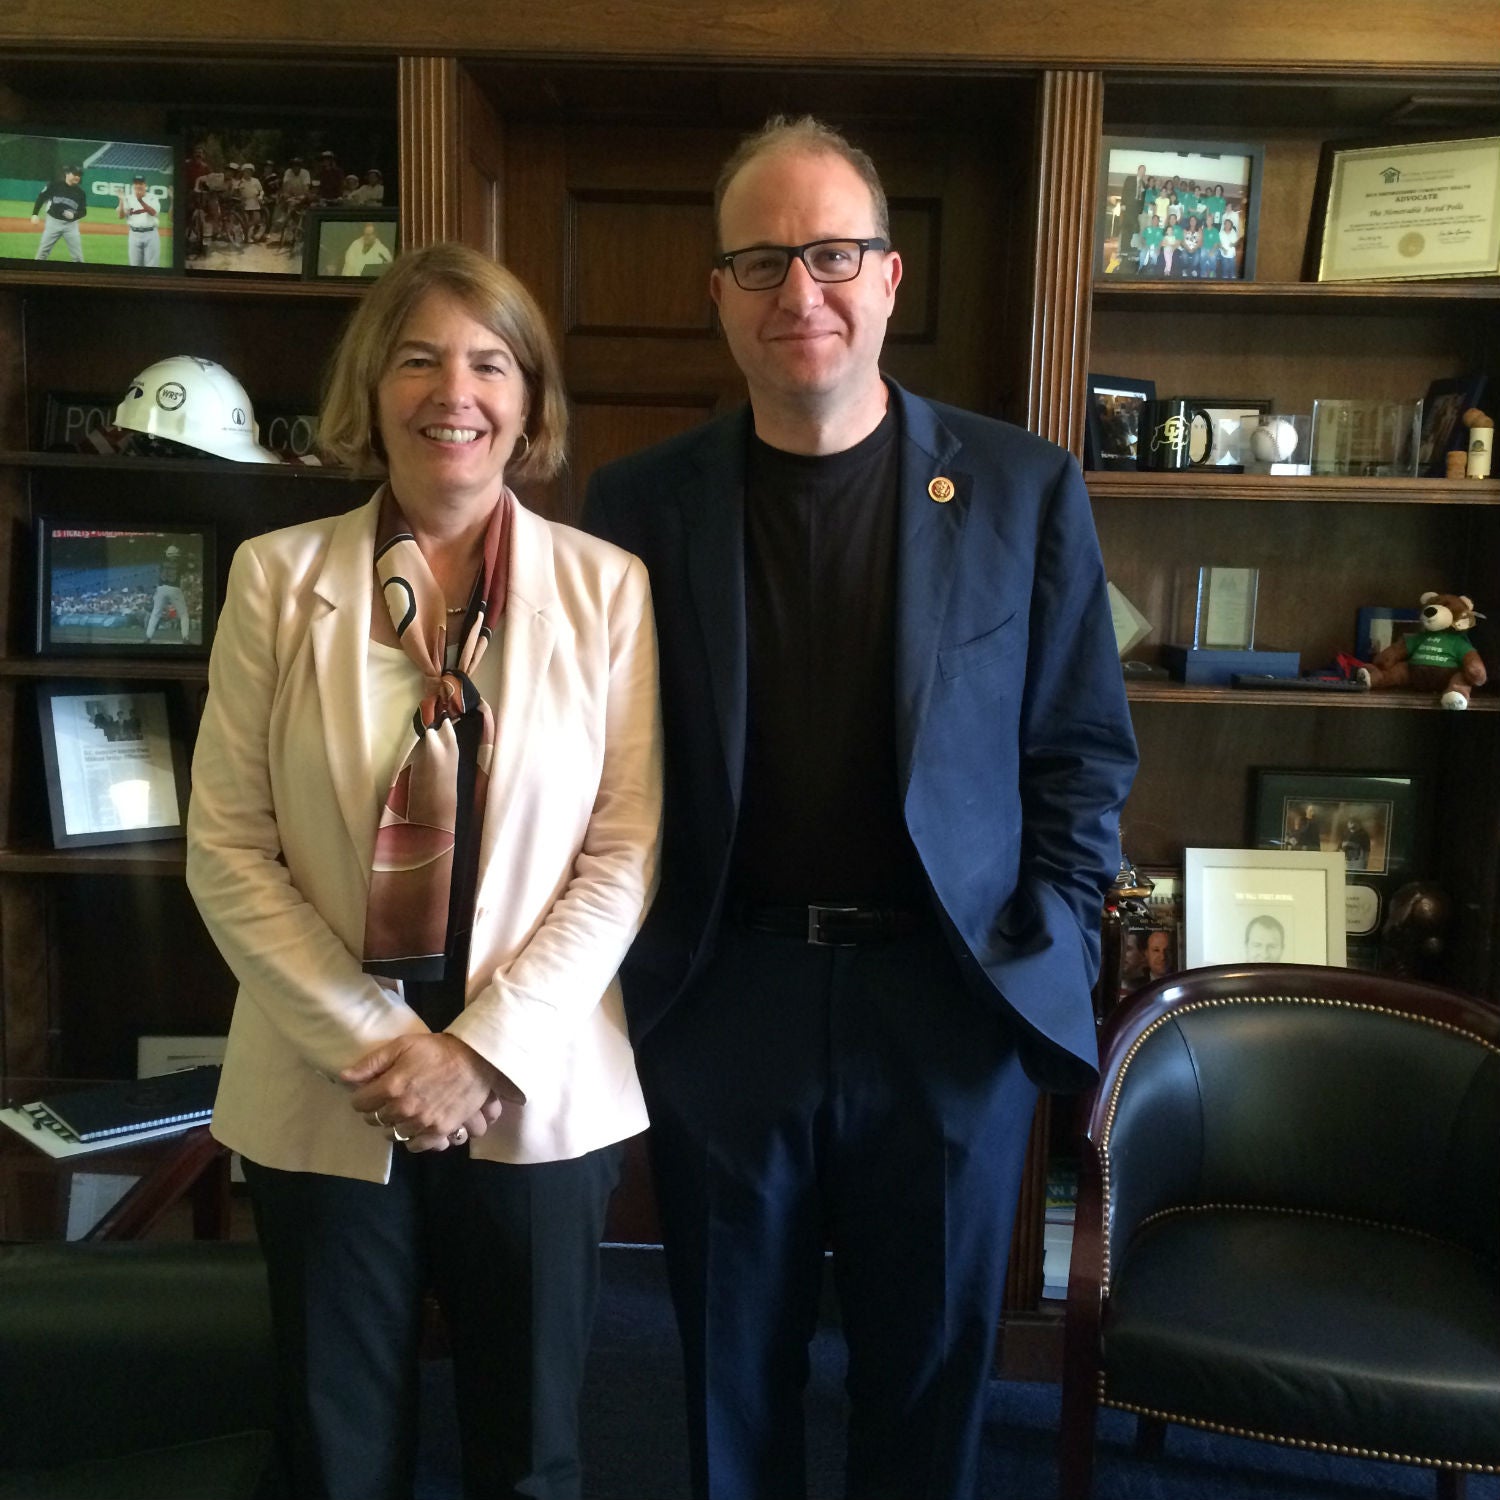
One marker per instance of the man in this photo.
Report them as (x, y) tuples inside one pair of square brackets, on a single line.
[(169, 594), (1265, 940), (1159, 955), (66, 203), (330, 178), (897, 744), (141, 210), (369, 255)]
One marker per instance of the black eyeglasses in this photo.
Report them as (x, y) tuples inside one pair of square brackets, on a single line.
[(763, 267)]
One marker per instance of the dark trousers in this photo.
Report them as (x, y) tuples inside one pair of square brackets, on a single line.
[(512, 1253), (861, 1098)]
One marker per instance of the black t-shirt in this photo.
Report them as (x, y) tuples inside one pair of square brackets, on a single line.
[(820, 814)]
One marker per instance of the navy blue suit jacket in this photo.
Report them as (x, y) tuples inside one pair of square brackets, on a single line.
[(1014, 748)]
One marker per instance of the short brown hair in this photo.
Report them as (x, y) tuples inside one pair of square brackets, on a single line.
[(347, 431), (808, 136)]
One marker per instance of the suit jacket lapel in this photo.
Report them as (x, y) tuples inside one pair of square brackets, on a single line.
[(525, 650), (713, 509), (927, 557), (340, 642)]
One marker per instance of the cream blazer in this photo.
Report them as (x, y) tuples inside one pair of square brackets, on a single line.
[(281, 828)]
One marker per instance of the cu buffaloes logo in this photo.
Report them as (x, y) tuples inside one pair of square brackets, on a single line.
[(170, 396)]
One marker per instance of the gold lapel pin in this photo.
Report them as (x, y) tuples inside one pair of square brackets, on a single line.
[(941, 489)]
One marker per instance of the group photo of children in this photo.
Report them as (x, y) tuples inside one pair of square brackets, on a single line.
[(1175, 214)]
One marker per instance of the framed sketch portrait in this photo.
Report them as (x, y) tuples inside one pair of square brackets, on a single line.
[(1264, 906)]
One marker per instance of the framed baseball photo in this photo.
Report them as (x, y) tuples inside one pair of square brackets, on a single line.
[(348, 242), (116, 774), (72, 200), (105, 589)]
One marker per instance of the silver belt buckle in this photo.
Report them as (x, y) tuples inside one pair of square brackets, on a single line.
[(815, 915)]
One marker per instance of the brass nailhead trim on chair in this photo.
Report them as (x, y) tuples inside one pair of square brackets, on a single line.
[(1196, 1005), (1343, 1450), (1307, 1213)]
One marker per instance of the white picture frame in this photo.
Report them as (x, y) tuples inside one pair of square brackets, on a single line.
[(1264, 906)]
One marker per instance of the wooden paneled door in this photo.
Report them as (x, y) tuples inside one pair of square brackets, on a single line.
[(611, 226)]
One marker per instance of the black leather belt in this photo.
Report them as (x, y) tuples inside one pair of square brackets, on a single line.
[(830, 926)]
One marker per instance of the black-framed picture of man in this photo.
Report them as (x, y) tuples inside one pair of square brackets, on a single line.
[(1112, 422), (344, 243), (1373, 820), (1177, 210)]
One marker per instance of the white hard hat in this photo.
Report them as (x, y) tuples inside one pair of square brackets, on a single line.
[(195, 402)]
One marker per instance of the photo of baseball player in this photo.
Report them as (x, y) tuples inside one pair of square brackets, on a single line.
[(110, 589), (168, 596), (61, 204), (141, 210), (75, 201)]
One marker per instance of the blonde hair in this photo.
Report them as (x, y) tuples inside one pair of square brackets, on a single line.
[(808, 136), (347, 430)]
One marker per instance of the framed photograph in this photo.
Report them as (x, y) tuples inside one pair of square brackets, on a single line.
[(1151, 944), (1112, 422), (115, 772), (250, 181), (1409, 210), (1264, 906), (1177, 210), (67, 199), (1225, 413), (344, 242), (104, 589), (1443, 430), (1376, 626), (1372, 821)]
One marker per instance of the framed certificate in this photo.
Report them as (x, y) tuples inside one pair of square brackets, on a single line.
[(1413, 211)]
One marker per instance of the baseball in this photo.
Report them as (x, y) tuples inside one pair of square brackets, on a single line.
[(1274, 441)]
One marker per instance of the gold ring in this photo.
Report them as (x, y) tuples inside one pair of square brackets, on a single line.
[(398, 1137)]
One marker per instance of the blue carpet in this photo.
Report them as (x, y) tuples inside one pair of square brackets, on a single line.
[(633, 1428)]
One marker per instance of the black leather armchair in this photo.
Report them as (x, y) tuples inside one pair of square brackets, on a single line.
[(138, 1369), (1289, 1220)]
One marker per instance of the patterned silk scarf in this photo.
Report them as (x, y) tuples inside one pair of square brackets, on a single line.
[(411, 880)]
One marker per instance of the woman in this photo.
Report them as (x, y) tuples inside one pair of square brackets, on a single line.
[(428, 1071)]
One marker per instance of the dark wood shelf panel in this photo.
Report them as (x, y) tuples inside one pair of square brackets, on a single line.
[(1205, 484), (23, 458), (166, 858), (112, 668), (208, 284), (1184, 692), (1295, 296)]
